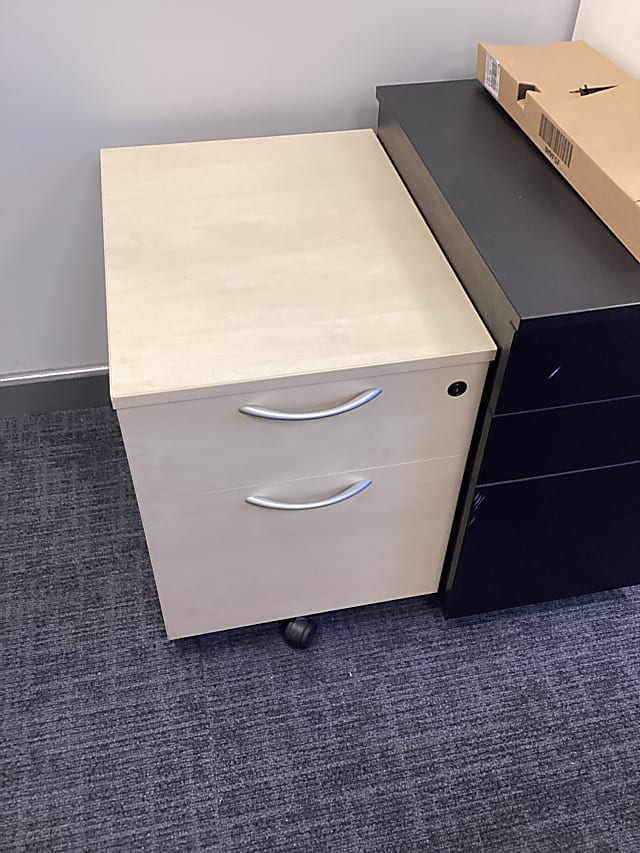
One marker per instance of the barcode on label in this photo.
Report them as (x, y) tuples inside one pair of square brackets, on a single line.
[(556, 141), (492, 75)]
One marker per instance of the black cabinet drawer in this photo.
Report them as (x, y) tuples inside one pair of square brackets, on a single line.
[(572, 359), (559, 440), (535, 540)]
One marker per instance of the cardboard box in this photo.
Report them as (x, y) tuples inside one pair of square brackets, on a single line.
[(593, 140)]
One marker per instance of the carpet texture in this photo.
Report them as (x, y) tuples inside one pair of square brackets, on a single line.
[(397, 731)]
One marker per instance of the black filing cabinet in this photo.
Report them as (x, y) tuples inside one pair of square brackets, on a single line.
[(551, 502)]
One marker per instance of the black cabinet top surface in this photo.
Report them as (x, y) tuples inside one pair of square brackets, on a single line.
[(546, 248)]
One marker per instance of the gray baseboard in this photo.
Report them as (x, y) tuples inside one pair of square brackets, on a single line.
[(54, 390)]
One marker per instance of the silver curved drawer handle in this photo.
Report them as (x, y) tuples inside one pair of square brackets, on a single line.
[(350, 492), (349, 406)]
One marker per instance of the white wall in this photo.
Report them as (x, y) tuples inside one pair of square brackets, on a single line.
[(613, 28), (77, 75)]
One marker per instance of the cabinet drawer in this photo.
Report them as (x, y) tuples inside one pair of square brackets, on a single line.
[(553, 441), (535, 540), (208, 445), (220, 562), (572, 359)]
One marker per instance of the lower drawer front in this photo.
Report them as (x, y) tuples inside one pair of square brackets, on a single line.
[(207, 445), (220, 562), (549, 537)]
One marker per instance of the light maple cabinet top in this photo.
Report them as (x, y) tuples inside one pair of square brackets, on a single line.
[(261, 260)]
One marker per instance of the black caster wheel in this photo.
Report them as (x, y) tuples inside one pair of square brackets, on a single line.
[(299, 632)]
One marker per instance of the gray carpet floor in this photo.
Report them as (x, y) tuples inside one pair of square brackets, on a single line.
[(397, 731)]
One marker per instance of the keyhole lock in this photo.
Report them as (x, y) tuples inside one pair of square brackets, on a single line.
[(456, 389)]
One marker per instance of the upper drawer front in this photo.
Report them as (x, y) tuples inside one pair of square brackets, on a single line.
[(209, 445), (553, 441), (573, 360)]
